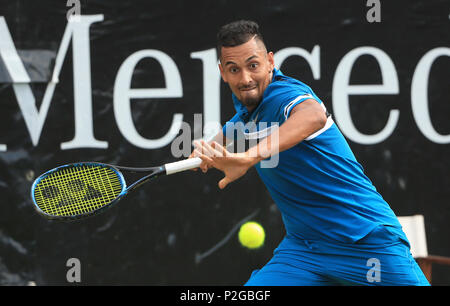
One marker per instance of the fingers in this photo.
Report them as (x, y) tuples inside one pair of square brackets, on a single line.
[(207, 162), (219, 148), (192, 156), (201, 152), (209, 153), (224, 182), (212, 150), (208, 150)]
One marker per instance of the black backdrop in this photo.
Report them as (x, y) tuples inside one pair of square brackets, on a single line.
[(154, 236)]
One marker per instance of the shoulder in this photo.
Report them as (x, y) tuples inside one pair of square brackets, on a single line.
[(284, 93), (285, 89)]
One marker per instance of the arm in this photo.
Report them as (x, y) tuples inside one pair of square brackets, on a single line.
[(306, 118)]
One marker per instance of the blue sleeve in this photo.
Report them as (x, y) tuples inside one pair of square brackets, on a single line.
[(286, 97)]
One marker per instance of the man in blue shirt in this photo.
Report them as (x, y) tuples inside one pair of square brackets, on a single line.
[(339, 230)]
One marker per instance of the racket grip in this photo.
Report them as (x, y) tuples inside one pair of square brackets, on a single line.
[(182, 165)]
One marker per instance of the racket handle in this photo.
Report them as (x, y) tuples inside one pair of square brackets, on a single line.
[(182, 165)]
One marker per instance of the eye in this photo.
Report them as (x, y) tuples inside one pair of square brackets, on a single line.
[(234, 69), (253, 65)]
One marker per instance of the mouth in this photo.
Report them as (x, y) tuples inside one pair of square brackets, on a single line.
[(247, 88)]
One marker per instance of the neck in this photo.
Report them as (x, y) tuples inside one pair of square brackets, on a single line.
[(251, 108)]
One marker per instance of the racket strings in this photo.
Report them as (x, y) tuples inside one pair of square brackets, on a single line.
[(77, 190)]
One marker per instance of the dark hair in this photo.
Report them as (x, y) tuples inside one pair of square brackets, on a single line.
[(237, 33)]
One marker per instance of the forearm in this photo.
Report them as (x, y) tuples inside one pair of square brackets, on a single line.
[(299, 126)]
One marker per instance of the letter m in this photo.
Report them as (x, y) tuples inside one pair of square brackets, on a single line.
[(77, 31)]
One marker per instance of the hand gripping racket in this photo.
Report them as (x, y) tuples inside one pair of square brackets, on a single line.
[(82, 189)]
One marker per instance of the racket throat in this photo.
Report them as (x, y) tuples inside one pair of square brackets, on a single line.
[(156, 173)]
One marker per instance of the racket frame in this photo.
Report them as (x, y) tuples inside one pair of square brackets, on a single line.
[(155, 172)]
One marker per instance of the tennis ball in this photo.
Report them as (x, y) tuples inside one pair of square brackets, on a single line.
[(251, 235)]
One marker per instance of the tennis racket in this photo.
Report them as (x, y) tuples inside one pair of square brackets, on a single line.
[(82, 189)]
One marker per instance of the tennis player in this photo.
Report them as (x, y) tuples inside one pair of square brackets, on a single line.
[(339, 230)]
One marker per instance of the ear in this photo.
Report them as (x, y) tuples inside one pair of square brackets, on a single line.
[(224, 78), (271, 60)]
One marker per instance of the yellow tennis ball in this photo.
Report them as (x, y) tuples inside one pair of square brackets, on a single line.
[(251, 235)]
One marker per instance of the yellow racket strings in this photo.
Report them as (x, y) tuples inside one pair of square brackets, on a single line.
[(77, 190)]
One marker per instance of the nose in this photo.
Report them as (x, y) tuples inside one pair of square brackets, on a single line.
[(246, 78)]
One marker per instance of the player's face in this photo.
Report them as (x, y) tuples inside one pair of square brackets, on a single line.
[(247, 69)]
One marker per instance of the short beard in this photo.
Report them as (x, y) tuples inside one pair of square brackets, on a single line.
[(251, 102)]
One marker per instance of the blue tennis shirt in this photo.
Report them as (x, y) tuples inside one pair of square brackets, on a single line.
[(318, 185)]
